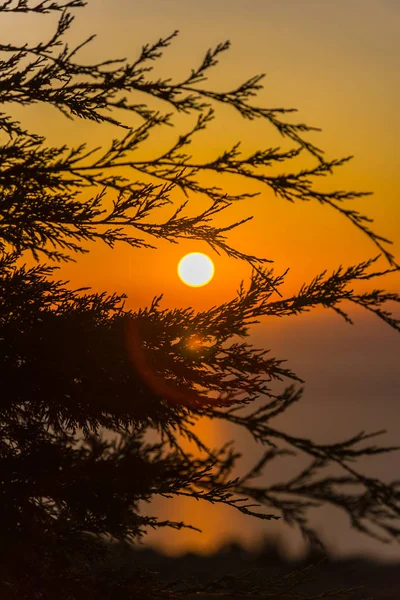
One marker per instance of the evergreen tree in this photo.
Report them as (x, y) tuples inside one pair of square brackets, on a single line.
[(84, 380)]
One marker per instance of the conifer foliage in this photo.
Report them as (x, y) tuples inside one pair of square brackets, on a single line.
[(84, 380)]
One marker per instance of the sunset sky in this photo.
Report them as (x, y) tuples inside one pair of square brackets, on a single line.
[(338, 63)]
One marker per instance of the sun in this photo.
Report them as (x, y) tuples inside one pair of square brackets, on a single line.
[(196, 269)]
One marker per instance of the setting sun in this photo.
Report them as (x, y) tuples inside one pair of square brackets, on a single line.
[(196, 269)]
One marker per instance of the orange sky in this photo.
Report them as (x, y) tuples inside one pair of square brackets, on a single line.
[(337, 62)]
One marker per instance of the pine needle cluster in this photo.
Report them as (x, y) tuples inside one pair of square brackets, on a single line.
[(77, 366)]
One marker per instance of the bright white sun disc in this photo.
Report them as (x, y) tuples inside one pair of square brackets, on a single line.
[(196, 269)]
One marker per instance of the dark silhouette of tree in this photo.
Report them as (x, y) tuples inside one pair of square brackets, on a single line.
[(76, 365)]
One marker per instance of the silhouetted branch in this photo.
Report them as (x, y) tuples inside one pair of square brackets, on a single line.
[(76, 366), (97, 92)]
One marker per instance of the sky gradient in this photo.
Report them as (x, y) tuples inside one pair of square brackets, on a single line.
[(338, 64)]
